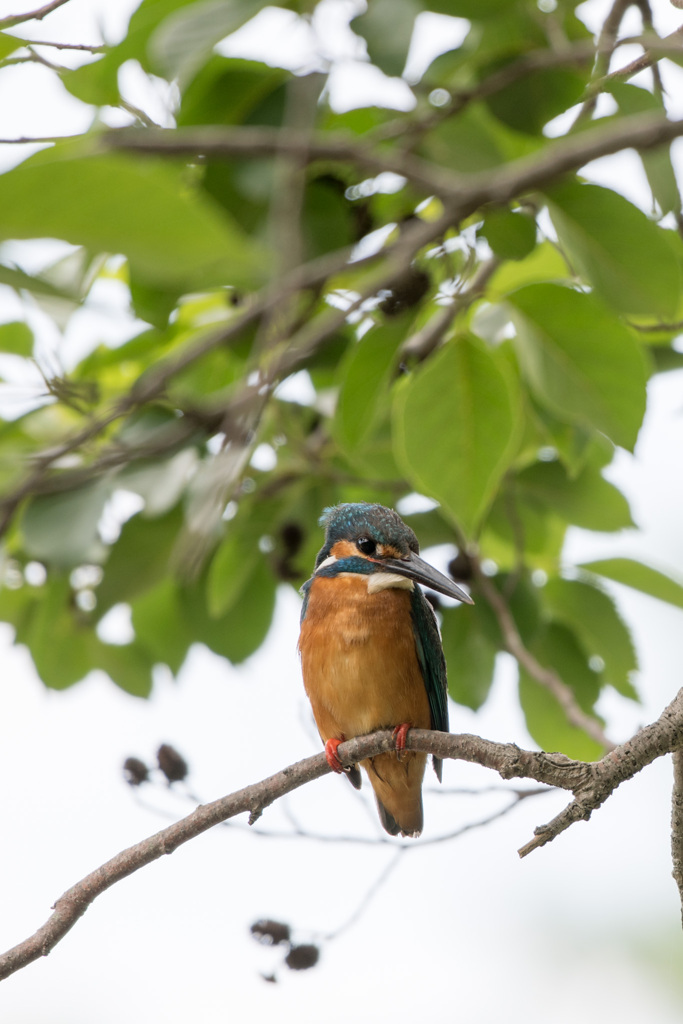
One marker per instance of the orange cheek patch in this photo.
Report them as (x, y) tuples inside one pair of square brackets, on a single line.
[(344, 549)]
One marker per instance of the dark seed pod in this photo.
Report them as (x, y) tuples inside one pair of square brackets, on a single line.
[(135, 771), (172, 764), (270, 933), (301, 958), (460, 567)]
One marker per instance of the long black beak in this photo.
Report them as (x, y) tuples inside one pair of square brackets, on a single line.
[(415, 568)]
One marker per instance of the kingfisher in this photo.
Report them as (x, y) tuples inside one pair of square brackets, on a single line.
[(371, 653)]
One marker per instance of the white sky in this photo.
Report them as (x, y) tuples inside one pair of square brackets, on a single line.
[(586, 929)]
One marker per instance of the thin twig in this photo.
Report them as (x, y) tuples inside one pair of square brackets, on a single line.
[(37, 15), (546, 677)]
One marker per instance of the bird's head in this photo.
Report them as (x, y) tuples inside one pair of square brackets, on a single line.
[(373, 540)]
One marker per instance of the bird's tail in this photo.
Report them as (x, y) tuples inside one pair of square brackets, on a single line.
[(398, 788)]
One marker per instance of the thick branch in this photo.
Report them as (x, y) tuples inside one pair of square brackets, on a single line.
[(466, 191), (677, 823), (591, 784)]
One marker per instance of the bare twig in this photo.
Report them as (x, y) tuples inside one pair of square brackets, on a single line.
[(591, 783), (36, 15), (546, 677), (421, 344)]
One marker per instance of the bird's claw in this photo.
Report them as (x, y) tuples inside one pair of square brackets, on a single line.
[(400, 735), (332, 756)]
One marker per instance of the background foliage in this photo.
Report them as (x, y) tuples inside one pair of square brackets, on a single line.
[(338, 305)]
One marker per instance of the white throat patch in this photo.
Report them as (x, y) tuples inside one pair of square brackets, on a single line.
[(388, 581)]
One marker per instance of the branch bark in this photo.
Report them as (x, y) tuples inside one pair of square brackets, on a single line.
[(465, 192), (590, 782)]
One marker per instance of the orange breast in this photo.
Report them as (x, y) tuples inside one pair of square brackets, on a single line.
[(358, 658)]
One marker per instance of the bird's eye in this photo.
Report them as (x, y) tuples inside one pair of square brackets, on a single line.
[(366, 545)]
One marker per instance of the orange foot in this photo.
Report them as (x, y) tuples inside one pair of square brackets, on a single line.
[(400, 734), (332, 756)]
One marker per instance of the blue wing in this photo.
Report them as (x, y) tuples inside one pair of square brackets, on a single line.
[(432, 663)]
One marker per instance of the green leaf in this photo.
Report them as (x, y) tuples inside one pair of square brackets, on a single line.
[(57, 641), (160, 626), (97, 82), (118, 204), (139, 559), (17, 338), (9, 43), (127, 665), (244, 628), (640, 577), (455, 428), (387, 27), (544, 263), (470, 655), (546, 721), (588, 500), (581, 362), (536, 98), (512, 236), (184, 40), (238, 554), (61, 529), (592, 615), (623, 255), (657, 162), (365, 375)]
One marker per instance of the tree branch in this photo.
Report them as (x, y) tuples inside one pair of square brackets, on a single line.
[(546, 677), (465, 192), (37, 15), (677, 824), (591, 782)]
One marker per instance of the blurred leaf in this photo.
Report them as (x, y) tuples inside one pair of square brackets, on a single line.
[(54, 636), (592, 615), (470, 656), (638, 576), (160, 627), (10, 43), (387, 27), (139, 559), (546, 721), (657, 162), (327, 217), (241, 632), (120, 204), (581, 362), (588, 500), (61, 529), (365, 375), (512, 236), (127, 665), (456, 426), (622, 254), (227, 90), (160, 482), (97, 82), (536, 98), (544, 263), (17, 338), (238, 554), (184, 40)]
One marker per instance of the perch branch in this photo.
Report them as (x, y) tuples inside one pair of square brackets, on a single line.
[(591, 783)]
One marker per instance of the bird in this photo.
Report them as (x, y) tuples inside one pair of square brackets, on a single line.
[(371, 653)]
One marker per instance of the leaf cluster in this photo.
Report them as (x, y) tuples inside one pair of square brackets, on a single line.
[(335, 306)]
